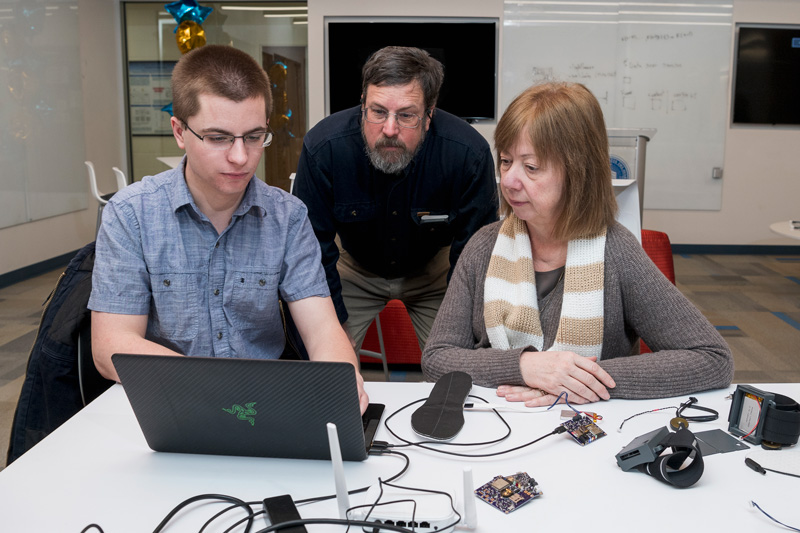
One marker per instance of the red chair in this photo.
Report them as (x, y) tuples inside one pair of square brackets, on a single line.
[(657, 246), (395, 340)]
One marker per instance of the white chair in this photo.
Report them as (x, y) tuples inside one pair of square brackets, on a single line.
[(102, 199), (291, 181), (122, 181)]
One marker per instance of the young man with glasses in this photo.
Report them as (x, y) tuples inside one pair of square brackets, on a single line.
[(193, 261), (394, 188)]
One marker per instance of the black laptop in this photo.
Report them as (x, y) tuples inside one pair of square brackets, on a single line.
[(248, 407)]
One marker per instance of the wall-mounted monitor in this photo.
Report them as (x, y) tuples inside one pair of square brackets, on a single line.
[(467, 47), (766, 83)]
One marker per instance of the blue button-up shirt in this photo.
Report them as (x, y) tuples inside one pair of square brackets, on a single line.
[(205, 294)]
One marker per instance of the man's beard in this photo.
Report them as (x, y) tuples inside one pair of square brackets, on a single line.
[(391, 162)]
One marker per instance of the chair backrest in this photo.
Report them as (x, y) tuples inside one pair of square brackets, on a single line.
[(122, 181), (399, 339), (291, 181), (657, 246), (93, 184)]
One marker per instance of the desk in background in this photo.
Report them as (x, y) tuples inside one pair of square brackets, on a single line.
[(97, 468), (171, 161), (787, 228)]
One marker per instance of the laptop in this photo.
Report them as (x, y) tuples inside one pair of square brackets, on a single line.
[(247, 407)]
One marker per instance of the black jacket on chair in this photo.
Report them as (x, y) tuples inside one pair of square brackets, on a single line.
[(51, 392)]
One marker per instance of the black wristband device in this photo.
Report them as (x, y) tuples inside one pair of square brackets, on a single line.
[(766, 418), (646, 454)]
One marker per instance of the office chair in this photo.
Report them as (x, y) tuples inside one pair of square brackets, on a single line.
[(369, 352), (658, 247), (102, 199), (122, 181), (392, 336)]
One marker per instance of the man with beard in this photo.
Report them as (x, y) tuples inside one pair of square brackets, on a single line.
[(394, 188)]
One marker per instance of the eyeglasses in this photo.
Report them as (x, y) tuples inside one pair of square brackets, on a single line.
[(221, 141), (379, 116)]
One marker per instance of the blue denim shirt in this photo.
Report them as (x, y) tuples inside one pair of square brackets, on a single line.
[(393, 225), (205, 294)]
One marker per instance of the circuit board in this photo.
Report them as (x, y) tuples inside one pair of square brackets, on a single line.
[(583, 429), (508, 493)]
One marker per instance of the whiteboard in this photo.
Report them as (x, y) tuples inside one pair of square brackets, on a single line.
[(650, 65), (41, 108)]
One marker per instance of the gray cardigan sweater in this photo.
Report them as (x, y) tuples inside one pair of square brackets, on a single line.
[(689, 355)]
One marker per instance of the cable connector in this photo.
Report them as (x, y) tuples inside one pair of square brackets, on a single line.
[(755, 466), (379, 445), (559, 430)]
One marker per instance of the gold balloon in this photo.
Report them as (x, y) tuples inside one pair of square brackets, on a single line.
[(190, 35), (277, 73)]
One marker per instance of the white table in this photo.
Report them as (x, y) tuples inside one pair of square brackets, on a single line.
[(97, 468), (786, 228), (171, 161)]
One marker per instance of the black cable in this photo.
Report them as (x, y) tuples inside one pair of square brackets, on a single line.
[(419, 443), (690, 404), (362, 489), (229, 508), (193, 499), (100, 529), (239, 522)]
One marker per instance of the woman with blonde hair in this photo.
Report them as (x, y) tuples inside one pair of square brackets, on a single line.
[(555, 297)]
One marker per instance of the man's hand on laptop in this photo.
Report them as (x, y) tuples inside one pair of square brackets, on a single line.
[(363, 399)]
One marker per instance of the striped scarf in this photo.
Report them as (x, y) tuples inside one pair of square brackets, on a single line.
[(511, 309)]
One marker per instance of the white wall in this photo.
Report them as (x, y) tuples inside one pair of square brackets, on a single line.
[(762, 165)]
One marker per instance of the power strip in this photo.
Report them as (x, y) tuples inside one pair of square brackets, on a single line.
[(432, 512)]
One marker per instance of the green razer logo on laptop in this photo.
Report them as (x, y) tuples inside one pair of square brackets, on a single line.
[(243, 413)]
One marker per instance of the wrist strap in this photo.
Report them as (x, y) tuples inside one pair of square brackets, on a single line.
[(665, 468), (782, 421)]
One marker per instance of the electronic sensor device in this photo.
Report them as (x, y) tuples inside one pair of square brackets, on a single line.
[(509, 493), (583, 429), (681, 468), (766, 418), (643, 449)]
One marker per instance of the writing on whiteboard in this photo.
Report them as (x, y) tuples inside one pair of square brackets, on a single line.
[(657, 36)]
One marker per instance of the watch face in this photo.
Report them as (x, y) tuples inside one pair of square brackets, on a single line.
[(751, 412)]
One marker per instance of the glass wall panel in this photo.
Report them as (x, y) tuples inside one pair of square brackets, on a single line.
[(274, 33)]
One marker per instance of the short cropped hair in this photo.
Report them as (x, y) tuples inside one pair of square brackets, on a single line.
[(564, 125), (219, 71), (400, 65)]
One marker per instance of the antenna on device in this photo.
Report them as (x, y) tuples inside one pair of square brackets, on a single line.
[(469, 518), (342, 498)]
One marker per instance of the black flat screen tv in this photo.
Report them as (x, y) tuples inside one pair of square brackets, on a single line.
[(467, 47), (766, 85)]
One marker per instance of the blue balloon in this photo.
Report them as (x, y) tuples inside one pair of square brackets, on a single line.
[(168, 109), (188, 10)]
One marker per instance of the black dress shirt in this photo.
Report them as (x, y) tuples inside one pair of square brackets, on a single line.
[(389, 223)]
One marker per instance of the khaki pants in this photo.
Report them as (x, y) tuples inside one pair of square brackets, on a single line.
[(365, 295)]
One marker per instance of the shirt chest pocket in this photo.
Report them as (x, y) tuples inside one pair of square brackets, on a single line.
[(254, 298), (174, 307), (355, 212), (432, 225)]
